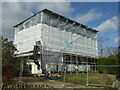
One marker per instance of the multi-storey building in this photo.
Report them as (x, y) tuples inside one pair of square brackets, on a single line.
[(54, 42)]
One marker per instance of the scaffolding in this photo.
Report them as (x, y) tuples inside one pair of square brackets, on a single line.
[(64, 42)]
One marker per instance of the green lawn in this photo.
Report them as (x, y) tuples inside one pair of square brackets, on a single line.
[(93, 78)]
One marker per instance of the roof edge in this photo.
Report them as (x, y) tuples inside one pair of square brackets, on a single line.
[(89, 28)]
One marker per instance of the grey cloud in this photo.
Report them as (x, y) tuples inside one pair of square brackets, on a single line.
[(91, 15), (110, 24), (15, 12)]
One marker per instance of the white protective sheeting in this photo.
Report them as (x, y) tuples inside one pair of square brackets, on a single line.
[(61, 40), (56, 34), (26, 39)]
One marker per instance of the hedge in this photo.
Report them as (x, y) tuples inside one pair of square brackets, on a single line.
[(107, 69)]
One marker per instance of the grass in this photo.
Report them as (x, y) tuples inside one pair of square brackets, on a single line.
[(93, 78), (23, 85)]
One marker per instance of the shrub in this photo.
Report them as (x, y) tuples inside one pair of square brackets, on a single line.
[(107, 61)]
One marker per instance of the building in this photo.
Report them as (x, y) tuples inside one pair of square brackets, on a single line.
[(51, 42)]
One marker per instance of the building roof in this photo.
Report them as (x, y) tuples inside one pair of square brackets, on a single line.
[(46, 10)]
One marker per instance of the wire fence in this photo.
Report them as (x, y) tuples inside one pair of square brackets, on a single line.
[(105, 75), (102, 75), (86, 75)]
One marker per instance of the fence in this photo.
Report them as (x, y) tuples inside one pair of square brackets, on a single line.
[(102, 76)]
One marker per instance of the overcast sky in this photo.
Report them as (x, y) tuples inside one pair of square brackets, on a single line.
[(101, 16)]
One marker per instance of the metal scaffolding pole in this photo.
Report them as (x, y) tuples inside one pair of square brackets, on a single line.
[(87, 82), (64, 69), (83, 65), (77, 63), (21, 70)]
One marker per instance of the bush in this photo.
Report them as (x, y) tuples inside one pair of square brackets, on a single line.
[(7, 75), (106, 61), (107, 69), (10, 69)]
